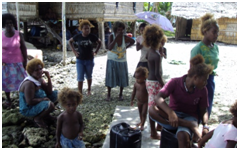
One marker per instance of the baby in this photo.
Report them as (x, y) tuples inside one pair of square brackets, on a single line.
[(69, 129), (140, 91)]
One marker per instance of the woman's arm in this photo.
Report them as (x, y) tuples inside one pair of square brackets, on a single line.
[(111, 42), (47, 87), (70, 42), (58, 131), (129, 40), (231, 144), (98, 46), (23, 50), (204, 117), (138, 46), (204, 139)]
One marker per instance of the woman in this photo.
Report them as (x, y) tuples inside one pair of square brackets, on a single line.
[(116, 69), (209, 50), (188, 94), (36, 98), (84, 54), (14, 57)]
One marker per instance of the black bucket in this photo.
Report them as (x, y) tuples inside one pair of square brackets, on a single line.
[(168, 139)]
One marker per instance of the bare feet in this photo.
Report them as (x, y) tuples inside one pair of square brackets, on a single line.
[(138, 124), (159, 127), (156, 137), (142, 128), (89, 93), (108, 98), (121, 98)]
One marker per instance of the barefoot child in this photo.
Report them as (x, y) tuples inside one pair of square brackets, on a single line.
[(69, 129), (141, 94), (152, 37), (225, 135)]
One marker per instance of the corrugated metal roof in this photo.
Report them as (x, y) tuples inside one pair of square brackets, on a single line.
[(192, 10)]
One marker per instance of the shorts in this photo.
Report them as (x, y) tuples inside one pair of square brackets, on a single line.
[(153, 88), (74, 143), (179, 128), (84, 69)]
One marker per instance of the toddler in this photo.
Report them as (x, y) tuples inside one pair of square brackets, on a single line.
[(225, 135), (69, 129), (140, 91)]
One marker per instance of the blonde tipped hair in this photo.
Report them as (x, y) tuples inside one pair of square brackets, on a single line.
[(66, 94), (85, 22), (198, 67), (233, 109), (207, 21), (152, 35)]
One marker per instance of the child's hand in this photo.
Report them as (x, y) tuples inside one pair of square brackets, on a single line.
[(58, 145), (132, 103)]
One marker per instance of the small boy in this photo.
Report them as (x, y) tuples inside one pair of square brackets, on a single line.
[(69, 129), (140, 91)]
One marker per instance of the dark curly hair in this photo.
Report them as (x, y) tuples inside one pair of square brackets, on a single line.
[(143, 71), (11, 17), (142, 25), (66, 93), (152, 35), (207, 21), (198, 67), (118, 24), (233, 109), (32, 64)]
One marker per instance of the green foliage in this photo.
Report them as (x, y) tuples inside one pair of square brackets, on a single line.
[(146, 5), (169, 33)]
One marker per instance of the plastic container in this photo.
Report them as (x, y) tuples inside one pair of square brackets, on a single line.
[(168, 139), (129, 35)]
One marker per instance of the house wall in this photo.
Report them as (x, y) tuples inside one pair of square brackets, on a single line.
[(227, 33), (181, 25)]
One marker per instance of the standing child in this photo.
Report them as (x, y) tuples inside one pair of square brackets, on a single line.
[(153, 35), (69, 129), (143, 61), (140, 91), (225, 135), (209, 50), (162, 49)]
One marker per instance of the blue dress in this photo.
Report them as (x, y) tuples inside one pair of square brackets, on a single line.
[(31, 111)]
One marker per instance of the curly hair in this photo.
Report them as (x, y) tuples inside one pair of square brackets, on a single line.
[(11, 17), (142, 71), (32, 64), (164, 39), (233, 109), (66, 94), (198, 67), (118, 24), (207, 21), (85, 22), (152, 34)]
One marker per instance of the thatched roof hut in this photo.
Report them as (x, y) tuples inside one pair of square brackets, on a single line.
[(99, 12), (188, 14)]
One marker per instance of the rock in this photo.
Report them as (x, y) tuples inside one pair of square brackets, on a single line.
[(12, 146), (87, 144), (6, 138), (23, 143), (98, 144), (12, 117), (35, 136)]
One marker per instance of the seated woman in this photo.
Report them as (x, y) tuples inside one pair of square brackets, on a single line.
[(36, 98), (188, 96)]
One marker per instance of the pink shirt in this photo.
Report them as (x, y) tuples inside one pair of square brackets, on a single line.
[(11, 52), (222, 134), (181, 100)]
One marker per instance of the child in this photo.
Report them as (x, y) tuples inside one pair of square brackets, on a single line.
[(143, 61), (152, 37), (225, 135), (141, 74), (69, 130)]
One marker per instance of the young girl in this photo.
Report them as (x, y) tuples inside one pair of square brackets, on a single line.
[(140, 91), (143, 61), (162, 49), (84, 54), (152, 37), (209, 50), (117, 69), (225, 135), (69, 129)]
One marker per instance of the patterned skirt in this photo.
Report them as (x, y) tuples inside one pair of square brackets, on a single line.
[(12, 75), (116, 74)]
